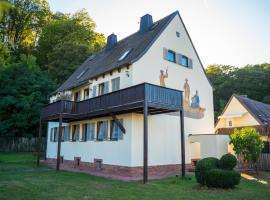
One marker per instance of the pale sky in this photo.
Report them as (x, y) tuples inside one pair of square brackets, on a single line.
[(234, 32)]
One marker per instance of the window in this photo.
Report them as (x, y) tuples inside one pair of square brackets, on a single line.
[(230, 123), (177, 34), (86, 93), (102, 130), (77, 96), (75, 133), (80, 75), (184, 61), (115, 84), (115, 132), (84, 132), (90, 135), (54, 134), (103, 88), (65, 133), (124, 55), (171, 56)]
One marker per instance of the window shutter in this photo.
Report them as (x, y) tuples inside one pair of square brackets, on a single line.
[(92, 131), (57, 134), (66, 134), (120, 133), (165, 54), (178, 59), (94, 92), (77, 133), (51, 135), (106, 87), (105, 130), (190, 63)]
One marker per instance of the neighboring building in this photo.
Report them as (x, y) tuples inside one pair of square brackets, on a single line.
[(109, 93), (242, 112)]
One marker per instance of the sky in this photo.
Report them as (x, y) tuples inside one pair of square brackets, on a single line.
[(231, 32)]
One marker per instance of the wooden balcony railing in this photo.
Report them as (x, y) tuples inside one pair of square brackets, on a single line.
[(262, 129), (125, 100)]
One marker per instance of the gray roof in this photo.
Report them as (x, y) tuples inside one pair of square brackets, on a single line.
[(260, 111), (108, 60)]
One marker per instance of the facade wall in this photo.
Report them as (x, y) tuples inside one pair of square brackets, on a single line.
[(111, 152)]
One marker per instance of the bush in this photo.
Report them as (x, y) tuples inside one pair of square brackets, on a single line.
[(220, 178), (203, 166), (227, 161)]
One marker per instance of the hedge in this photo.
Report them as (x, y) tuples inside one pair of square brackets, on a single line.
[(228, 161), (220, 178), (203, 166)]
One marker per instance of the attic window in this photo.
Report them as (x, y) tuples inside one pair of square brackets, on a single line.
[(80, 75), (154, 26), (124, 55)]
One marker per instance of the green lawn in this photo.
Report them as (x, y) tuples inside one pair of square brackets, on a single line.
[(19, 179)]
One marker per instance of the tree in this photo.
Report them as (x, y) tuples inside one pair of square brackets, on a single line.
[(251, 80), (247, 144), (4, 54), (77, 29), (65, 58), (21, 26), (24, 90), (4, 8)]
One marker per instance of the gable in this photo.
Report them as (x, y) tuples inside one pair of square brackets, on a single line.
[(236, 112)]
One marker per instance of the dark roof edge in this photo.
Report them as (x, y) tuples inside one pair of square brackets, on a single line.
[(246, 107), (156, 37)]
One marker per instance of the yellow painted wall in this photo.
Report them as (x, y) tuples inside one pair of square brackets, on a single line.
[(236, 107)]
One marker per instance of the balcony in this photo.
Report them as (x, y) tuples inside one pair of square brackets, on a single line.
[(158, 99)]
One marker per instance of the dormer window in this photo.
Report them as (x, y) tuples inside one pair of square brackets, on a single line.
[(81, 74), (124, 55)]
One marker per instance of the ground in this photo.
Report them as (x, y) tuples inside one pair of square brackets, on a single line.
[(20, 179)]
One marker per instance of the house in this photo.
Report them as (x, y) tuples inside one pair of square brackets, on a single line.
[(123, 112), (241, 112)]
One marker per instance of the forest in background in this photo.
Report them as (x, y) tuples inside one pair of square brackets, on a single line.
[(39, 50)]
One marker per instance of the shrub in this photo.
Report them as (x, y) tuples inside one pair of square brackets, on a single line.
[(203, 166), (220, 178), (227, 161)]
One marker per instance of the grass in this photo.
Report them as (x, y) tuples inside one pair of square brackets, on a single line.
[(20, 179)]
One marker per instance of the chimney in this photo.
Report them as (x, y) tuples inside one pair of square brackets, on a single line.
[(146, 23), (111, 41)]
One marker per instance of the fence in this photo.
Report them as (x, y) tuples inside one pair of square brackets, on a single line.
[(21, 144), (263, 162)]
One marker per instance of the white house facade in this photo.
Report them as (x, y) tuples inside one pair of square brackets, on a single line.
[(162, 55)]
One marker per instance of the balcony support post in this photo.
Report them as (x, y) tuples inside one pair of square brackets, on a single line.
[(182, 133), (39, 142), (59, 142), (145, 142)]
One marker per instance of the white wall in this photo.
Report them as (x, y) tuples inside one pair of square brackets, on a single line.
[(111, 152), (164, 134), (212, 145)]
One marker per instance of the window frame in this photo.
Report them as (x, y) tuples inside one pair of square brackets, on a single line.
[(113, 81), (86, 90), (98, 130), (174, 56), (112, 124), (77, 96), (101, 89), (84, 132), (184, 58)]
